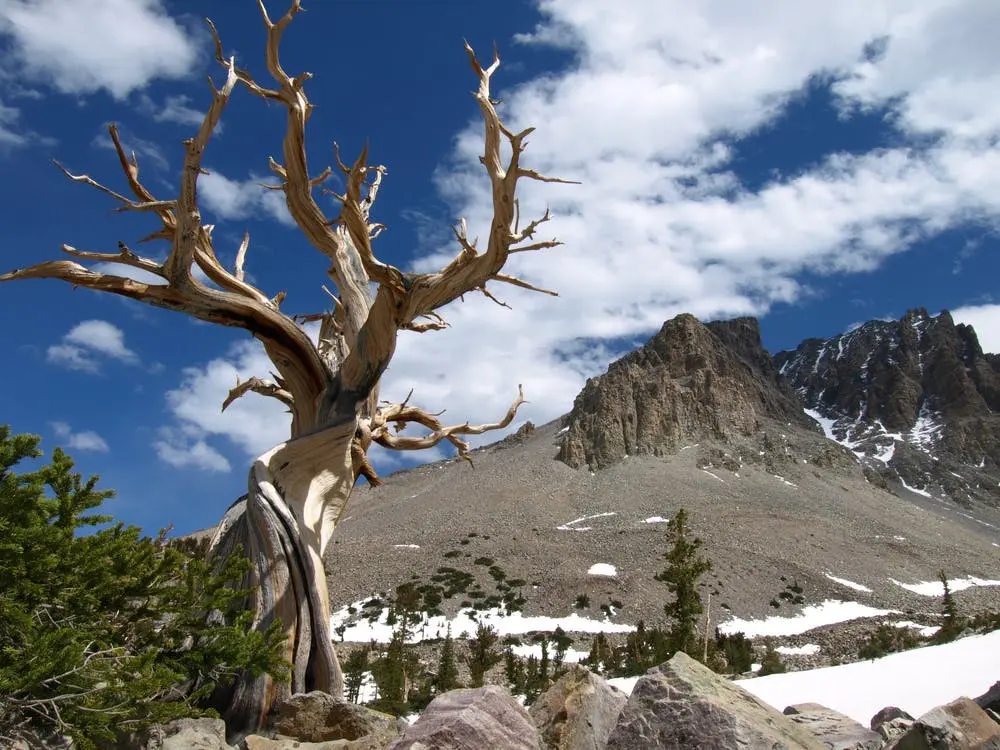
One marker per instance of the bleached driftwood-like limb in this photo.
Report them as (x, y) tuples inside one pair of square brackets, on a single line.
[(260, 387), (401, 414)]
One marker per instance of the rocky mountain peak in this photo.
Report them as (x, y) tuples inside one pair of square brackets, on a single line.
[(690, 380), (917, 396)]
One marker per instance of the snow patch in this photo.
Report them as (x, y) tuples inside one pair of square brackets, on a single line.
[(967, 666), (602, 569), (406, 546), (808, 649), (829, 612), (655, 519), (925, 630), (935, 588), (849, 584), (572, 525), (464, 624)]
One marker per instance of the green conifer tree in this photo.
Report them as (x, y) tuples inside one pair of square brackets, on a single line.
[(447, 671), (355, 667), (684, 567), (951, 621), (107, 630), (483, 653)]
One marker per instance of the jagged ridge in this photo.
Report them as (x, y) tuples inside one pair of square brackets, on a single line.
[(690, 380), (917, 398)]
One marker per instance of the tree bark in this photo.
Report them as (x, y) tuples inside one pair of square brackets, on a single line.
[(296, 494)]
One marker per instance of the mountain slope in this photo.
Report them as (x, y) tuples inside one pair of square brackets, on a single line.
[(699, 418), (916, 399)]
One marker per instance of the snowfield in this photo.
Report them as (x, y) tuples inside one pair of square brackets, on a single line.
[(915, 681)]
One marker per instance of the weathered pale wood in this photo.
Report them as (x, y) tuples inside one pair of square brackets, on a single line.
[(298, 489)]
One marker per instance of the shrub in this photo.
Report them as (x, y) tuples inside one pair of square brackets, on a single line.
[(108, 630)]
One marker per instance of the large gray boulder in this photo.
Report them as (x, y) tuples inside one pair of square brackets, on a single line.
[(320, 717), (683, 704), (486, 718), (256, 742), (834, 729), (180, 734), (959, 725), (578, 712)]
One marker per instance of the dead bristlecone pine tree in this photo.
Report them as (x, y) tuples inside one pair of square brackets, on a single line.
[(298, 489)]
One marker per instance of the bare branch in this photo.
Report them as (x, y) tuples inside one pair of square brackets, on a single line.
[(514, 281), (397, 442), (489, 295), (125, 257), (260, 387), (241, 255)]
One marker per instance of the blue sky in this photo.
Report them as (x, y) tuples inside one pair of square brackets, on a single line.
[(815, 166)]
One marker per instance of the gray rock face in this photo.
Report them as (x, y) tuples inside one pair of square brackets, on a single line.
[(923, 377), (690, 380), (682, 704), (486, 718), (318, 717), (959, 725), (836, 731), (990, 700), (578, 712)]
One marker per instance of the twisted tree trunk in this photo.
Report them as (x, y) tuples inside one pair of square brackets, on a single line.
[(285, 548)]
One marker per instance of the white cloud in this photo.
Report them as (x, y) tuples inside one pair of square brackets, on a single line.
[(253, 423), (235, 199), (81, 441), (178, 449), (175, 109), (649, 118), (87, 342), (82, 46), (9, 117), (986, 320)]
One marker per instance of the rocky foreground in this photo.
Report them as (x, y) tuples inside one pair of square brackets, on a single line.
[(679, 704)]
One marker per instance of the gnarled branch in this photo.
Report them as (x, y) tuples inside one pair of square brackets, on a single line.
[(260, 387), (403, 414)]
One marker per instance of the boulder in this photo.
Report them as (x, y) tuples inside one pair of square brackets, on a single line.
[(371, 742), (683, 704), (891, 722), (578, 712), (319, 717), (959, 725), (990, 700), (486, 718), (889, 713), (834, 729), (180, 734)]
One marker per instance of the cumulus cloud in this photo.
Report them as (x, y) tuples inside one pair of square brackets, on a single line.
[(83, 46), (240, 199), (178, 448), (650, 115), (88, 343), (176, 109), (986, 320), (252, 423), (87, 440)]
